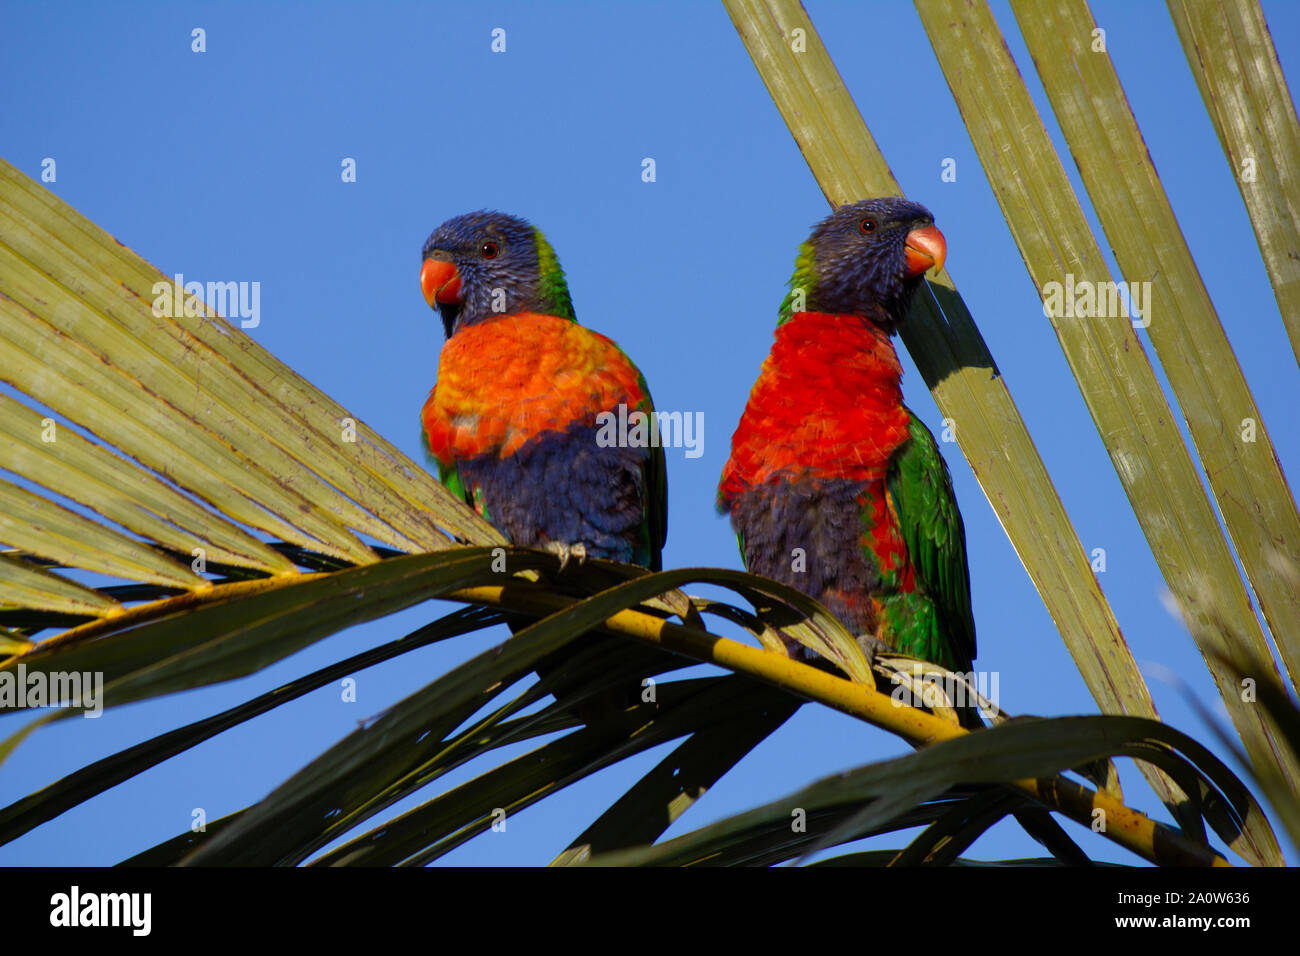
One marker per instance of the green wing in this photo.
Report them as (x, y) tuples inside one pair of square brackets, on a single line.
[(926, 509), (449, 475)]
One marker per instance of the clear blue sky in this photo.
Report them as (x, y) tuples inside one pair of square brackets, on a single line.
[(225, 165)]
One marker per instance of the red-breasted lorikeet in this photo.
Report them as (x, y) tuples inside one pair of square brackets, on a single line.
[(512, 420), (834, 487)]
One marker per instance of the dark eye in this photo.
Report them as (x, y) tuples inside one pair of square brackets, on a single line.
[(868, 226), (490, 250)]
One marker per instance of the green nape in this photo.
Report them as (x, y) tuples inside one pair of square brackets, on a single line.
[(552, 288), (801, 284)]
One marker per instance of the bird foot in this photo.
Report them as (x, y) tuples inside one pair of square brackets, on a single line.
[(564, 552), (871, 646)]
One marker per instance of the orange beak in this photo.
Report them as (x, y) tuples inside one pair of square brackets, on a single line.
[(440, 282), (925, 250)]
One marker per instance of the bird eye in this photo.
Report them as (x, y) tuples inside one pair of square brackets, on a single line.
[(490, 250), (868, 226)]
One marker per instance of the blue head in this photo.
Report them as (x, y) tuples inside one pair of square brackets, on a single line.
[(482, 265)]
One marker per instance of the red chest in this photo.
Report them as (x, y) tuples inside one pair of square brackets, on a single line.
[(828, 403)]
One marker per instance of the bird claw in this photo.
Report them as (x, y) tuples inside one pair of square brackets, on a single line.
[(564, 552)]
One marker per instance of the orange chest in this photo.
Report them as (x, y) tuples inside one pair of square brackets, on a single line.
[(503, 382)]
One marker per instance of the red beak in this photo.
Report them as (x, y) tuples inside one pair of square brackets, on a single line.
[(925, 250), (440, 282)]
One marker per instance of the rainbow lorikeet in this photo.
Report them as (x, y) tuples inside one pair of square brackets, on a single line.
[(834, 487), (513, 418)]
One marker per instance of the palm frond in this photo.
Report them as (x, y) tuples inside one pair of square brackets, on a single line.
[(1231, 54)]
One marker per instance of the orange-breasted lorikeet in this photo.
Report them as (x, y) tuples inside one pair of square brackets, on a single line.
[(512, 420), (834, 487)]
